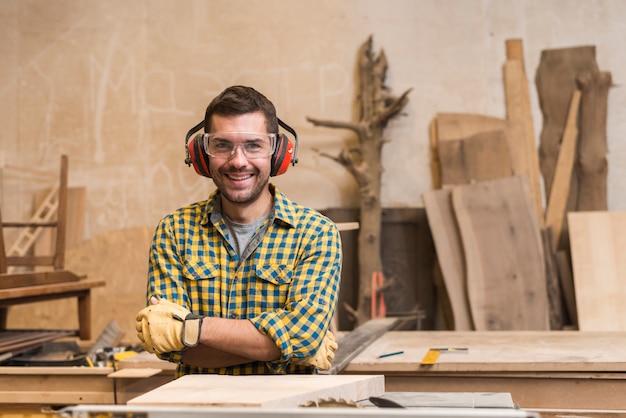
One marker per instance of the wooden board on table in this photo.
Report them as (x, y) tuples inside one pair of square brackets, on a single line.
[(598, 244), (505, 269), (495, 351), (272, 391), (482, 156), (447, 239), (145, 360)]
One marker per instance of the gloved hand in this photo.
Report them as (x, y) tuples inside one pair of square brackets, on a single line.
[(167, 326), (324, 355)]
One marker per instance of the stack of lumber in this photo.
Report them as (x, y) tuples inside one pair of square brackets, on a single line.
[(14, 342), (504, 256)]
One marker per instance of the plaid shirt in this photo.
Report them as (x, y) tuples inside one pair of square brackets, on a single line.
[(287, 286)]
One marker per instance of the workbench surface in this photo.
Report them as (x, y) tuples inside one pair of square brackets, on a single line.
[(496, 351), (540, 369)]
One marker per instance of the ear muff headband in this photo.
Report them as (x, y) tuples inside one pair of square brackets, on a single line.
[(286, 152)]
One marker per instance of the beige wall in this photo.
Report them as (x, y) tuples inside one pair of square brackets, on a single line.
[(116, 85)]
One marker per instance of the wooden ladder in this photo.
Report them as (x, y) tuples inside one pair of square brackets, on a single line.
[(42, 218)]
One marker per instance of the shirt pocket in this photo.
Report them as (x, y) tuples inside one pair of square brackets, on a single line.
[(271, 286), (275, 274), (203, 287), (197, 269)]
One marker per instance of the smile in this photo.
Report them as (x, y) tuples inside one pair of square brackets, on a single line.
[(239, 177)]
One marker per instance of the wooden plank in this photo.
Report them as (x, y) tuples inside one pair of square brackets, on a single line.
[(54, 371), (557, 202), (347, 226), (56, 385), (17, 341), (435, 167), (134, 373), (521, 131), (447, 239), (555, 298), (452, 126), (556, 81), (455, 126), (482, 156), (598, 244), (145, 360), (566, 279), (505, 267), (588, 392), (497, 352), (265, 391), (592, 163), (515, 50)]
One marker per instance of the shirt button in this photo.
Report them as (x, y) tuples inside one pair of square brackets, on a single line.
[(233, 316)]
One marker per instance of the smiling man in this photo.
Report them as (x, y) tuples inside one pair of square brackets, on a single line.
[(245, 282)]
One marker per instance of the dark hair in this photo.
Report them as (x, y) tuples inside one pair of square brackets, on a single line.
[(239, 100)]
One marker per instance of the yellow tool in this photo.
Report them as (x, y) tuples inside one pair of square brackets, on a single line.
[(433, 354)]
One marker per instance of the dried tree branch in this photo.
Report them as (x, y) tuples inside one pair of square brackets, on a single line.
[(377, 106)]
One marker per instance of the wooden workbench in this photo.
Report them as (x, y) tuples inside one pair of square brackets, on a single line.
[(555, 370), (541, 369), (67, 385)]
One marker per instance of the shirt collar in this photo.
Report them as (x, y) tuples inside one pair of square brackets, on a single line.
[(284, 209)]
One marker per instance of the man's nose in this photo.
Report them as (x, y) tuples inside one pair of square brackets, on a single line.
[(239, 154)]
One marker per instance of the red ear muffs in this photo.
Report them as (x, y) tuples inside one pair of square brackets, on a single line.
[(283, 155), (197, 157)]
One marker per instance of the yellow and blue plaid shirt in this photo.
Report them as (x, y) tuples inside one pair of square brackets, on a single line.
[(287, 286)]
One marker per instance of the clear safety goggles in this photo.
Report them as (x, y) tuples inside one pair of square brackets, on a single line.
[(253, 144)]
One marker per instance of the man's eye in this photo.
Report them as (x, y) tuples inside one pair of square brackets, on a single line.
[(222, 145), (253, 146)]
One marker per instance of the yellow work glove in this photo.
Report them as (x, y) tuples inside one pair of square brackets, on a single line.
[(167, 326), (324, 355)]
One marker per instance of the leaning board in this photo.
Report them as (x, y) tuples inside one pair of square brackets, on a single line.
[(268, 391), (505, 268), (598, 244)]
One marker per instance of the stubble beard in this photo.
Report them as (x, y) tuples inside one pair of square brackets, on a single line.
[(240, 197)]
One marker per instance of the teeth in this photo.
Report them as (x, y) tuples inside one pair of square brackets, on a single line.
[(239, 177)]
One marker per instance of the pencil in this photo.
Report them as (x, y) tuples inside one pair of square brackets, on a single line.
[(391, 354)]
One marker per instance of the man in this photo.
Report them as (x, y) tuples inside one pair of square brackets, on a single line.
[(245, 282)]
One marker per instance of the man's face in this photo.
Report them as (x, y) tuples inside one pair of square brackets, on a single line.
[(241, 180)]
